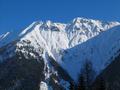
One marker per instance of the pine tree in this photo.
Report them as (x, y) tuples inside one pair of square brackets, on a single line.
[(81, 83), (72, 86), (102, 85), (88, 74)]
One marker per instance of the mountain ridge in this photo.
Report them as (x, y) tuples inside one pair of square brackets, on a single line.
[(60, 25), (65, 45)]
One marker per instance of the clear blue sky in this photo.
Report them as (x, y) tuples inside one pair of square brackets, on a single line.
[(18, 14)]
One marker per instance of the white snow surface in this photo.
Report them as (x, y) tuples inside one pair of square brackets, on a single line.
[(70, 44), (100, 50), (43, 86)]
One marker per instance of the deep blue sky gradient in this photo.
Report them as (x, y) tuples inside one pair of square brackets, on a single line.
[(18, 14)]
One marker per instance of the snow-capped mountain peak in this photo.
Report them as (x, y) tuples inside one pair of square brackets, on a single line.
[(79, 27), (56, 39), (48, 23)]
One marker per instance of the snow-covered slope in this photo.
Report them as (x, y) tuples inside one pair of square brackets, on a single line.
[(100, 50), (82, 29), (2, 37), (69, 44), (8, 37), (56, 37)]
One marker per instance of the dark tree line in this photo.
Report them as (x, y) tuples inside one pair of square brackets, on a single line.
[(86, 77)]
